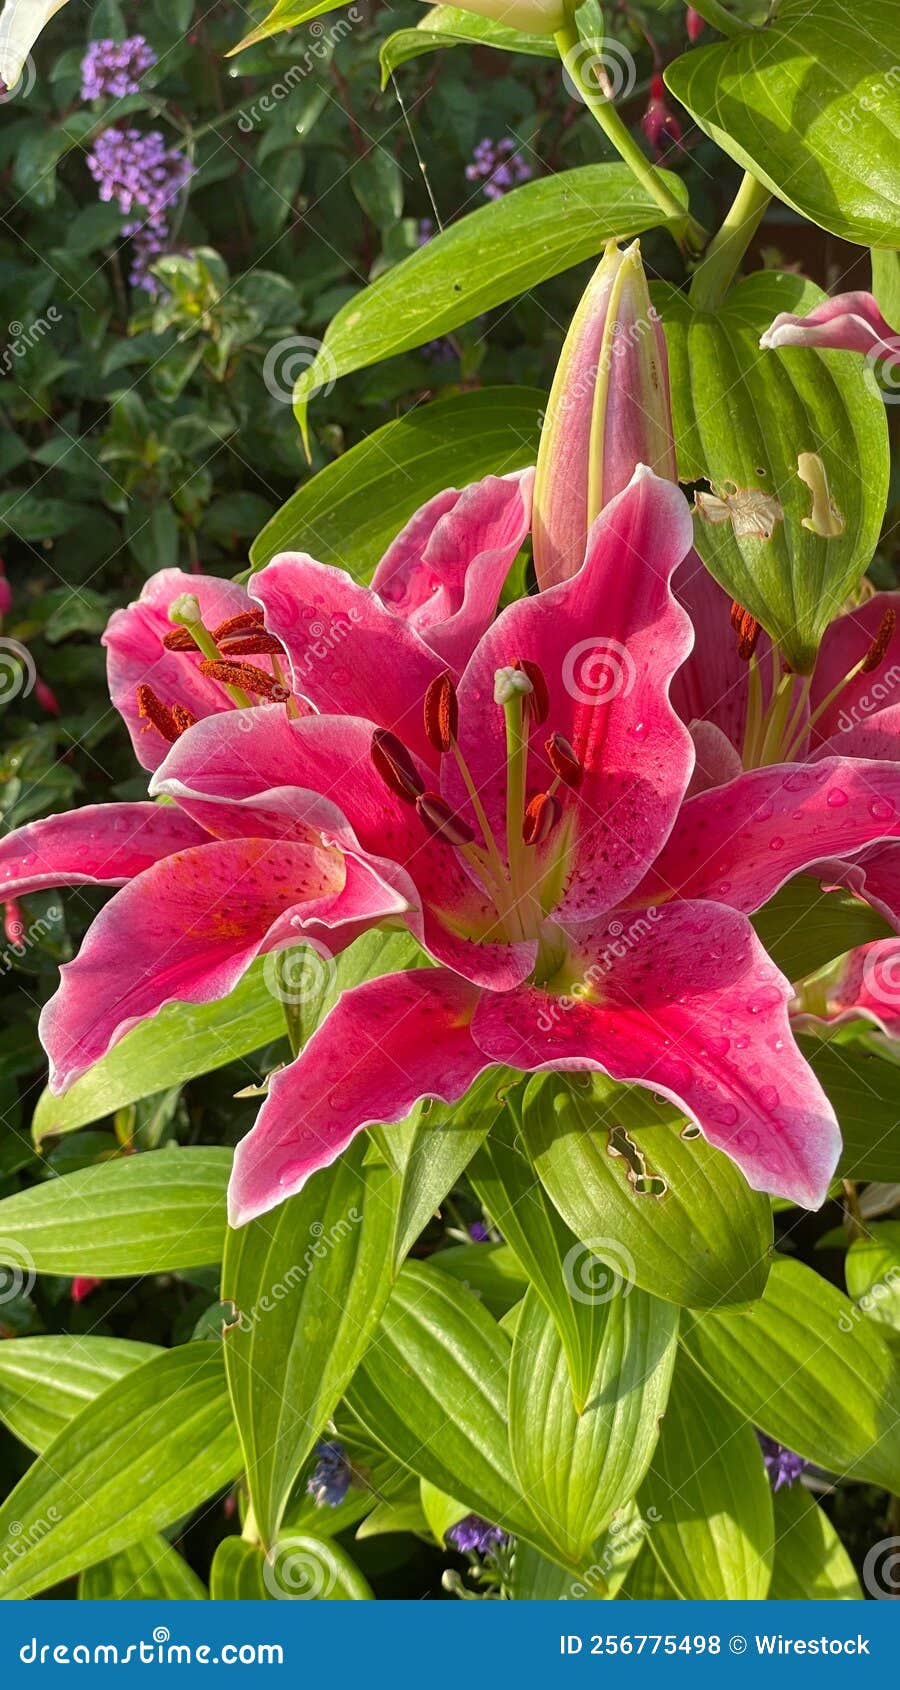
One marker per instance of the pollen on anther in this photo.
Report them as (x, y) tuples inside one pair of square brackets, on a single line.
[(152, 710), (441, 712), (240, 624), (563, 761), (248, 678), (876, 652), (541, 816), (258, 644), (179, 639)]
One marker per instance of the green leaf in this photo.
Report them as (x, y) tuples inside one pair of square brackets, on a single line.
[(432, 1390), (886, 283), (180, 1042), (285, 14), (742, 417), (808, 104), (557, 1264), (707, 1497), (440, 1510), (872, 1268), (577, 1469), (308, 1282), (154, 1446), (149, 1571), (150, 1213), (45, 1382), (492, 1271), (535, 1579), (803, 928), (809, 1369), (449, 26), (668, 1212), (350, 512), (313, 1569), (236, 1574), (864, 1090), (494, 254), (431, 1149), (811, 1563)]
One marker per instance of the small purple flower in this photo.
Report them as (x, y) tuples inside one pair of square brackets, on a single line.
[(472, 1533), (140, 173), (499, 166), (329, 1481), (782, 1464), (478, 1233), (424, 231), (115, 67)]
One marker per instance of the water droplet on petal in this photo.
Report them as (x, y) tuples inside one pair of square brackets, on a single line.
[(836, 798), (776, 842)]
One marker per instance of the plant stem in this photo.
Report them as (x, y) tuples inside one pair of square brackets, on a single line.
[(686, 230), (718, 17), (714, 274)]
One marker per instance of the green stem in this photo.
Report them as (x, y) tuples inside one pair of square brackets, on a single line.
[(718, 17), (687, 232), (714, 275)]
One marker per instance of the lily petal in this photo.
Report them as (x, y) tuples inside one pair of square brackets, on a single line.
[(711, 685), (863, 720), (137, 656), (850, 322), (444, 572), (101, 845), (384, 1046), (867, 988), (685, 1001), (608, 641), (189, 927)]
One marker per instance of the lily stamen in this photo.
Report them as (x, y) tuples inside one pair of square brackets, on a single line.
[(563, 760), (247, 678), (156, 714), (443, 822), (541, 815), (441, 713), (395, 766)]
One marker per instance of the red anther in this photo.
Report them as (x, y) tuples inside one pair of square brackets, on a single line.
[(882, 640), (395, 766), (538, 701), (253, 645), (179, 639), (182, 718), (441, 712), (248, 678), (154, 712), (240, 624), (443, 822), (748, 636), (563, 761), (737, 615), (541, 815)]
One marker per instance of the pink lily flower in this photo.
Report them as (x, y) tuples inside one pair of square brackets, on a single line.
[(850, 322), (204, 893), (518, 805)]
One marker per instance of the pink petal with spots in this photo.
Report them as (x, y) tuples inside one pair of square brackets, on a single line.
[(187, 929), (864, 719), (136, 654), (384, 1046), (322, 771), (608, 641), (102, 845), (349, 654), (711, 686), (850, 322), (739, 843), (685, 1001), (444, 572), (716, 759)]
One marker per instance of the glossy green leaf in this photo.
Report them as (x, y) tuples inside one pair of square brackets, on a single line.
[(577, 1469), (811, 1563), (668, 1212), (809, 105), (149, 1450), (149, 1571), (449, 26), (350, 512), (806, 1366), (886, 283), (432, 1390), (403, 1515), (872, 1268), (440, 1510), (804, 928), (236, 1574), (535, 1579), (646, 1581), (492, 255), (742, 417), (432, 1148), (492, 1271), (45, 1382), (285, 14), (864, 1090), (707, 1496), (308, 1283), (150, 1213), (304, 1568)]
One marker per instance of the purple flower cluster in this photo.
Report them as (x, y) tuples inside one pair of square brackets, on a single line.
[(329, 1481), (115, 67), (782, 1464), (499, 166), (473, 1534), (140, 172)]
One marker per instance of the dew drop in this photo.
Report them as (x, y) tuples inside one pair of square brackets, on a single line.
[(836, 798)]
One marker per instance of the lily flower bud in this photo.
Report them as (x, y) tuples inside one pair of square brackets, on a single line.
[(608, 411)]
